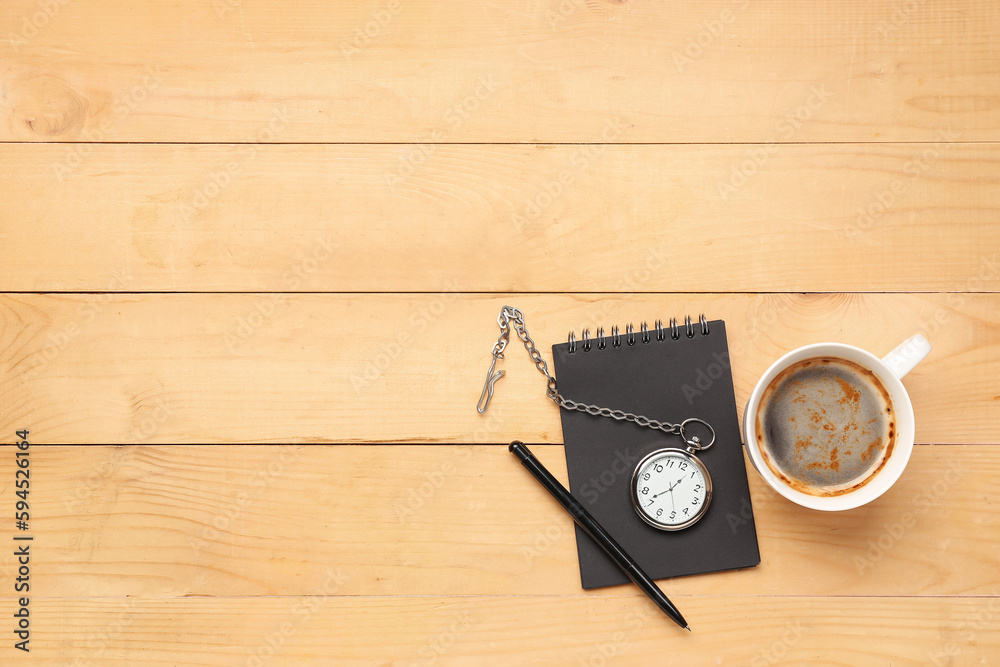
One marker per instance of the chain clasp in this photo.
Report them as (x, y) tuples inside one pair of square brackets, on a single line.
[(491, 379)]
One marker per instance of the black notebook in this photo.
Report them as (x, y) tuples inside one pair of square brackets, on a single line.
[(669, 374)]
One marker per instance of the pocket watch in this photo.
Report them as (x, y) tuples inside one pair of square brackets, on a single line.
[(671, 488)]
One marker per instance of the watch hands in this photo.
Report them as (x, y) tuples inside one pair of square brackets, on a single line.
[(670, 490), (673, 504)]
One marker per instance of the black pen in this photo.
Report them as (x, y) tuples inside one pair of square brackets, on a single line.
[(596, 532)]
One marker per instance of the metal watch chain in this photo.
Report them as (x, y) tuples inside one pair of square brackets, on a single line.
[(511, 317)]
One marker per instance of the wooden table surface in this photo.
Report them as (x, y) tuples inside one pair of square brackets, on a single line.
[(253, 255)]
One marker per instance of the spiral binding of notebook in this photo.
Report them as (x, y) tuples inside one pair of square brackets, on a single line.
[(668, 372), (644, 334)]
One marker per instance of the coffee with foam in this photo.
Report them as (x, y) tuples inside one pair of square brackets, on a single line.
[(825, 426)]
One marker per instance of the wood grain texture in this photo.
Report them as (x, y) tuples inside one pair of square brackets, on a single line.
[(731, 218), (263, 520), (265, 245), (203, 368), (322, 630), (550, 71)]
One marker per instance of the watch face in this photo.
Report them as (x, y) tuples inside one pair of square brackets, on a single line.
[(671, 489)]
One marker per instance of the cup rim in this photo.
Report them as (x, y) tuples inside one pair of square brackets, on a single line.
[(902, 448)]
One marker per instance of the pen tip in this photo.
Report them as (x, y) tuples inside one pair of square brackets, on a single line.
[(688, 628)]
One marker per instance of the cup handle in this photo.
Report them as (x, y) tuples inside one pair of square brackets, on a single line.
[(907, 354)]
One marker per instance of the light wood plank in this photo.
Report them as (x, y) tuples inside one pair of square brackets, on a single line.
[(183, 521), (501, 218), (202, 368), (549, 71), (471, 630)]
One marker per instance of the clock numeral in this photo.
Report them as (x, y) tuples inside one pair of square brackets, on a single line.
[(697, 487), (659, 511), (646, 477), (695, 501), (683, 465), (645, 491), (672, 515), (670, 463), (650, 503), (694, 473), (686, 510), (658, 468)]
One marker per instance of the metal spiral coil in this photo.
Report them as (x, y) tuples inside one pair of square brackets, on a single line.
[(645, 335)]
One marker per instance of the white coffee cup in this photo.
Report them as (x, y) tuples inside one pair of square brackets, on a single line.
[(889, 370)]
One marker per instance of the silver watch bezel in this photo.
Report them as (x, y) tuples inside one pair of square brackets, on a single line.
[(637, 506)]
